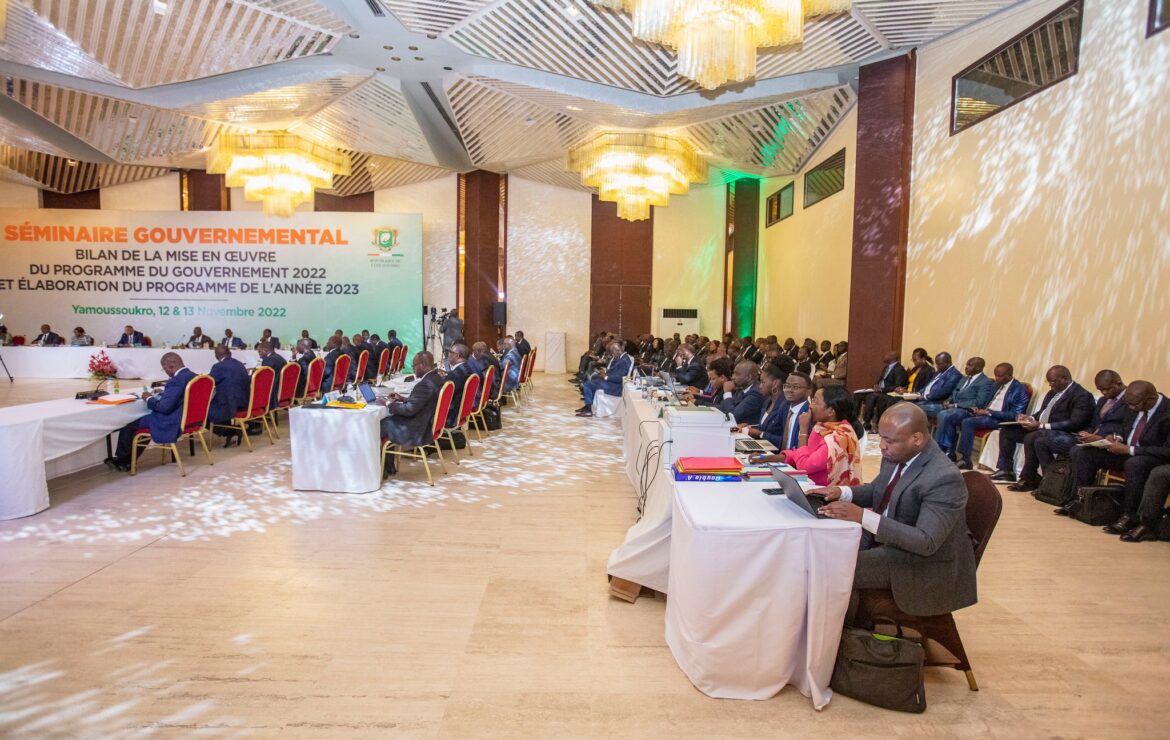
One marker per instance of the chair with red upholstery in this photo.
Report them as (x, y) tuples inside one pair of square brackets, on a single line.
[(257, 408), (984, 505), (531, 366), (196, 404), (290, 375), (466, 407), (446, 393), (477, 416), (498, 400), (517, 393), (383, 363), (147, 342), (340, 372), (403, 356), (362, 362), (313, 378)]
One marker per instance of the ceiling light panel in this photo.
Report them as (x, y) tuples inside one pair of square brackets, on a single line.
[(374, 117), (432, 16), (280, 106), (33, 41), (193, 38), (376, 173), (57, 174), (906, 24), (551, 172), (828, 42), (492, 124)]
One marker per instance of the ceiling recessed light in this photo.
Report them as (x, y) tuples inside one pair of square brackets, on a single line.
[(757, 127), (396, 59), (71, 162), (529, 121), (388, 47), (432, 36), (355, 35), (380, 69), (159, 7), (448, 68), (571, 11), (572, 107), (412, 48), (418, 59)]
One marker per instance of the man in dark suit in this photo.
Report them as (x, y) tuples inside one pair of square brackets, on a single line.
[(357, 345), (199, 340), (1108, 419), (269, 358), (231, 341), (1007, 403), (376, 346), (47, 338), (915, 509), (130, 338), (690, 370), (166, 412), (1066, 409), (267, 337), (892, 376), (781, 424), (1152, 506), (410, 419), (458, 374), (303, 355), (522, 345), (741, 395), (305, 336), (1142, 445), (479, 362), (332, 352), (609, 380), (232, 388), (941, 386), (392, 339)]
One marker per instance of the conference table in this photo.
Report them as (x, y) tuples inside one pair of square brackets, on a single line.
[(131, 362), (52, 438)]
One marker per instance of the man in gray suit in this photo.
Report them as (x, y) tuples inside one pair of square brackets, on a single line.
[(410, 419), (915, 542)]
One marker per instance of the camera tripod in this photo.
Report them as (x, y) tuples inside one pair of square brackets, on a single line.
[(5, 365)]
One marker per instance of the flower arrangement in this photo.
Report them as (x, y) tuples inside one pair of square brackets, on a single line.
[(102, 368)]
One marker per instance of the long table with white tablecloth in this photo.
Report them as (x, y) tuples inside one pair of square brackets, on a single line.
[(131, 362), (43, 440)]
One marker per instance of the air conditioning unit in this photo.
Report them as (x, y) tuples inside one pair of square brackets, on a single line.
[(682, 320)]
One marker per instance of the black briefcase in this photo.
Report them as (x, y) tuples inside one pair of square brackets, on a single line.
[(1056, 485), (880, 670), (491, 417), (1097, 505)]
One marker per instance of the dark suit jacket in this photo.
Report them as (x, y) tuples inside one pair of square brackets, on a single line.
[(395, 342), (312, 343), (202, 341), (895, 378), (772, 427), (974, 395), (925, 375), (304, 361), (616, 374), (1072, 413), (524, 346), (232, 386), (409, 422), (276, 362), (130, 339), (52, 339), (166, 409), (234, 343), (924, 532), (1014, 403), (355, 351), (692, 373), (375, 355), (330, 363), (944, 385), (458, 375), (746, 405), (274, 341), (1110, 423), (1155, 440)]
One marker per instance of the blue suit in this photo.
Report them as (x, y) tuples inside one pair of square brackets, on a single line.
[(611, 384), (745, 405), (234, 343), (276, 362), (1015, 402), (166, 414), (513, 379), (939, 389), (973, 392), (330, 364), (772, 427), (129, 340), (232, 386), (458, 376)]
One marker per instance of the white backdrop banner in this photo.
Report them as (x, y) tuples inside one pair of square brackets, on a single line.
[(165, 273)]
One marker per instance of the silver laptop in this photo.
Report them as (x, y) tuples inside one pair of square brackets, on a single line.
[(754, 445), (792, 491)]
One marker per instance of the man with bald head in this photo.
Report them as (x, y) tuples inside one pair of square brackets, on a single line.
[(946, 378), (916, 510), (741, 395), (166, 412), (409, 420), (1142, 445), (1067, 409)]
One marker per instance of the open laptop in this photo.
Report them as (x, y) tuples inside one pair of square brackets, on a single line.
[(793, 492), (754, 445), (368, 393)]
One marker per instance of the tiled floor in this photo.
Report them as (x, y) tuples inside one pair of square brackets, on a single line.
[(227, 604)]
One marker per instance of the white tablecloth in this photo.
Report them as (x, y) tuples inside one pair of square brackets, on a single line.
[(336, 450), (42, 440), (989, 455), (758, 591), (552, 354), (141, 362)]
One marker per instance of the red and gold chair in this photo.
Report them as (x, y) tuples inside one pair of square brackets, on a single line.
[(362, 363), (383, 363), (517, 393), (313, 378), (531, 366), (340, 372), (403, 356), (290, 375), (446, 392), (499, 398), (477, 416), (466, 407), (196, 404), (257, 408)]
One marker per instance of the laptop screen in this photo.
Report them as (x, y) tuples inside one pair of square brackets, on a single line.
[(367, 392)]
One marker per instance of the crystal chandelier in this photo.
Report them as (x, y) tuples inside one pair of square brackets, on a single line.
[(275, 167), (637, 170), (716, 40)]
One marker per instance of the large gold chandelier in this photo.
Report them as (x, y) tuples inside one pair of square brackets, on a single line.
[(275, 167), (716, 40), (637, 170)]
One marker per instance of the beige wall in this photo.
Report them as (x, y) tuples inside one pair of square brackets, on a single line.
[(1042, 234), (805, 259), (548, 264), (157, 194), (689, 250), (436, 200)]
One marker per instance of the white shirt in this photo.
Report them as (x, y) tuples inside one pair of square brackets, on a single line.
[(997, 400), (794, 413), (870, 519), (1149, 414)]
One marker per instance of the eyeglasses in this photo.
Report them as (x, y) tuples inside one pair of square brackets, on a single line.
[(797, 387)]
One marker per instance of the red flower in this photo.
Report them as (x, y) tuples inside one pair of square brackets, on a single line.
[(101, 367)]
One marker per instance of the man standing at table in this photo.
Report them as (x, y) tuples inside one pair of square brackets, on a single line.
[(231, 341), (47, 338), (410, 419), (232, 388), (915, 542), (166, 412), (130, 338)]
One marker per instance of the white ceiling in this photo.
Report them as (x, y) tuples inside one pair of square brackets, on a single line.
[(124, 89)]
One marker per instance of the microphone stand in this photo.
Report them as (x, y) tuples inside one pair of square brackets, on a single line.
[(5, 365)]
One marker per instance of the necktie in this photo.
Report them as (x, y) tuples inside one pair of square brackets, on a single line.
[(789, 428), (881, 507), (1047, 410), (1139, 429), (1109, 404)]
